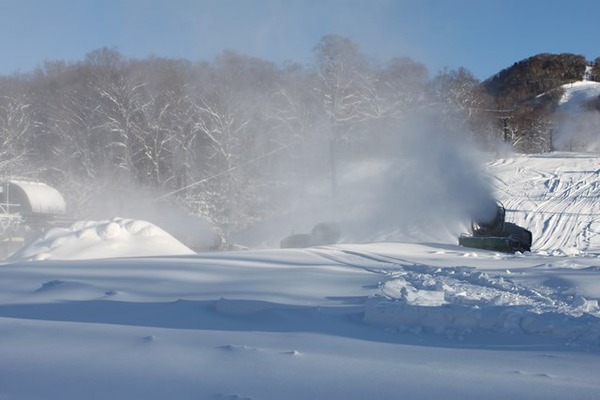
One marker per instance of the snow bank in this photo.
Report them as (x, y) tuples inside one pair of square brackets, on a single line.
[(118, 237)]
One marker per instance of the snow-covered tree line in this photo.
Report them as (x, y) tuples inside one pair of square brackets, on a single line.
[(220, 138)]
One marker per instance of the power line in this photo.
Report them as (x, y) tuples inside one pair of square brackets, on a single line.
[(227, 171)]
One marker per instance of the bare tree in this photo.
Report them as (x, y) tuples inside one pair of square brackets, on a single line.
[(462, 102), (343, 84), (345, 89), (15, 126), (402, 87)]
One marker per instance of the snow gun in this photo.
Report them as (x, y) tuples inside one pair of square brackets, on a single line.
[(496, 234)]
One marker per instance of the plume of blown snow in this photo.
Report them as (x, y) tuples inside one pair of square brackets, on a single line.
[(429, 189), (422, 182)]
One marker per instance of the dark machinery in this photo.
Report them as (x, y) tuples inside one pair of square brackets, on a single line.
[(322, 234), (497, 234)]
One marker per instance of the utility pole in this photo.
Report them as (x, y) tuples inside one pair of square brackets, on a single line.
[(332, 165), (333, 157), (505, 119)]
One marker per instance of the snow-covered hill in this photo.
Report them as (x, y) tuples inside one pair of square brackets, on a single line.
[(380, 320)]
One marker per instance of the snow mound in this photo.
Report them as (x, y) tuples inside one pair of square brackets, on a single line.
[(118, 237)]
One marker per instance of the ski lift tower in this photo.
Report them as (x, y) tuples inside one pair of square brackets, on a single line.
[(10, 219)]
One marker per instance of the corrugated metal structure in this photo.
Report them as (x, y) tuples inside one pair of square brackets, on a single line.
[(31, 199), (26, 209)]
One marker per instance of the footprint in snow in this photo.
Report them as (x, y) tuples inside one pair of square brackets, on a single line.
[(293, 353), (58, 284), (233, 347), (149, 339), (539, 375), (222, 396)]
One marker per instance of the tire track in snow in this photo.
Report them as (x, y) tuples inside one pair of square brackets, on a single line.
[(564, 209), (556, 197)]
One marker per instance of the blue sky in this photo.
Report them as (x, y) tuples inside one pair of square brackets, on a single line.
[(484, 36)]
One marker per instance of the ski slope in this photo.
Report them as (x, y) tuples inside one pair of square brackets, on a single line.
[(577, 93), (553, 195), (84, 313)]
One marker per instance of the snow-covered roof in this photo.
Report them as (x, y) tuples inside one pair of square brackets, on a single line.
[(35, 197)]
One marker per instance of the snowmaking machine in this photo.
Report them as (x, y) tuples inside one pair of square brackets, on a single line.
[(496, 234)]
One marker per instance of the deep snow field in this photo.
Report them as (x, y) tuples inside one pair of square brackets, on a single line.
[(119, 309)]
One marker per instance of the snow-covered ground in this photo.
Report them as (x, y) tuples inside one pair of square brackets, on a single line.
[(81, 318)]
